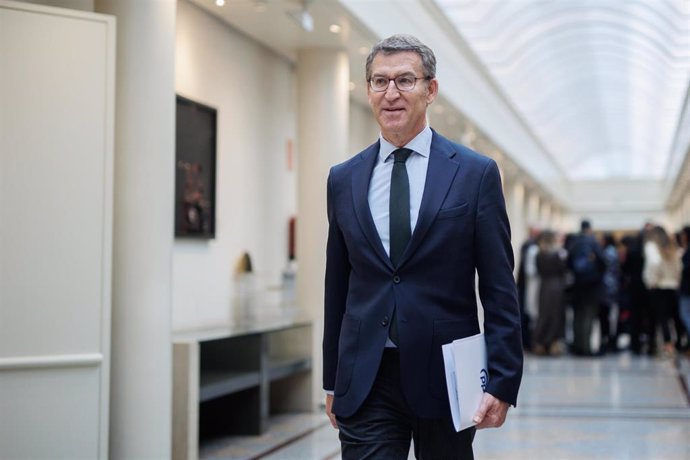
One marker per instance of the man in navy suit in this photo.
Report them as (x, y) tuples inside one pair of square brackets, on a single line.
[(390, 306)]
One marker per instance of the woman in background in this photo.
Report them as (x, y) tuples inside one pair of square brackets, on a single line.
[(549, 330), (661, 275)]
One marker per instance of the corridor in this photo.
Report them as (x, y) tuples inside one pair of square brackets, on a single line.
[(614, 407)]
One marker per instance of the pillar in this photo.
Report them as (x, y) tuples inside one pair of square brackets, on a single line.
[(141, 373), (545, 215), (515, 206), (533, 204), (322, 137)]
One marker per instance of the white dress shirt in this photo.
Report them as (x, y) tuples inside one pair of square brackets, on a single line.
[(380, 184)]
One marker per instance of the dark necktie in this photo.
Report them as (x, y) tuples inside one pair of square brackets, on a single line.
[(399, 213)]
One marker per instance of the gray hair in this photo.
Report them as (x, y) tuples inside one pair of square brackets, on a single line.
[(400, 43)]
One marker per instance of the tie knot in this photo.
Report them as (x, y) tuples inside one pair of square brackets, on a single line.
[(401, 155)]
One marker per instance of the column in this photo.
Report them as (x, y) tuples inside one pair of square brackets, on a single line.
[(515, 206), (556, 219), (673, 217), (323, 100), (141, 373), (545, 215), (533, 204)]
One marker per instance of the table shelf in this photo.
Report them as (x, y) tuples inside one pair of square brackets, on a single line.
[(229, 380), (287, 367), (214, 384)]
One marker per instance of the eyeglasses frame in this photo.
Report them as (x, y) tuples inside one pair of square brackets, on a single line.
[(395, 83)]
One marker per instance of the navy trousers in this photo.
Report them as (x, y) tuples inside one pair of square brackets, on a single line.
[(384, 426)]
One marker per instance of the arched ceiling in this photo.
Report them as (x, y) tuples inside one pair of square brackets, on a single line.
[(579, 95), (601, 83)]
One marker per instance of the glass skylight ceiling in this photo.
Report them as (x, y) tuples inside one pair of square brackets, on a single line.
[(601, 83)]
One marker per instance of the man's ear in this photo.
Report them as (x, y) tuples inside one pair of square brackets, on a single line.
[(432, 91)]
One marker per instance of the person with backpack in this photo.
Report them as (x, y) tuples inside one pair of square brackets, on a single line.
[(586, 261), (609, 306)]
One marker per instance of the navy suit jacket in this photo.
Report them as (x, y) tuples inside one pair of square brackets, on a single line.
[(462, 227)]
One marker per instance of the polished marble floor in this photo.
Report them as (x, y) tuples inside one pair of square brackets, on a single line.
[(613, 407)]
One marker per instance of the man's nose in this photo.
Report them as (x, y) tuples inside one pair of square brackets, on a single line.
[(394, 93)]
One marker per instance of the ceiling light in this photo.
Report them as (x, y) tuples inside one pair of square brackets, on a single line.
[(335, 28), (303, 17), (220, 2)]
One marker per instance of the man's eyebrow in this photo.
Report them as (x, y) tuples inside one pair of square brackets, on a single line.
[(398, 75)]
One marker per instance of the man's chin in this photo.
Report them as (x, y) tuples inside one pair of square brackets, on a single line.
[(393, 126)]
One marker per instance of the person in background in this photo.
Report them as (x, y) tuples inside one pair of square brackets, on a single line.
[(567, 245), (549, 330), (608, 311), (532, 282), (586, 262), (625, 305), (684, 290), (524, 286), (412, 219), (642, 318), (682, 337), (661, 275)]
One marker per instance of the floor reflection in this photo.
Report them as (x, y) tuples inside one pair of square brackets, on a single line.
[(613, 407)]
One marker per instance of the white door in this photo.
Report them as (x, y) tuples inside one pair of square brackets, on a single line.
[(56, 179)]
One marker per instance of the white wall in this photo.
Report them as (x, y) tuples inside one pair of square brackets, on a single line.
[(617, 204), (254, 92)]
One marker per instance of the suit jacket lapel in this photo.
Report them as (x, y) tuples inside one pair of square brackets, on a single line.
[(439, 177), (361, 175)]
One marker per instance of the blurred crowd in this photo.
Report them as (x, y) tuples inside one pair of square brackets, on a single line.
[(635, 288)]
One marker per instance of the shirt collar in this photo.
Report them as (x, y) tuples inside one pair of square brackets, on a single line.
[(421, 144)]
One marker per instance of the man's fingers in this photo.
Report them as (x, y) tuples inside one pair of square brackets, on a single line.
[(331, 415), (491, 413), (481, 412)]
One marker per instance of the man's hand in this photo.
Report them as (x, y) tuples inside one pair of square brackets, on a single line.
[(491, 413), (331, 415)]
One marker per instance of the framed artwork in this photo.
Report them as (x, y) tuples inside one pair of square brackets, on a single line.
[(195, 169)]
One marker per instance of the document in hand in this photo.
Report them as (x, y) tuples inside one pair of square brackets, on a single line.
[(466, 377)]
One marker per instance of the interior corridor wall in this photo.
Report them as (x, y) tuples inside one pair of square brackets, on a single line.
[(83, 5), (364, 130), (253, 90)]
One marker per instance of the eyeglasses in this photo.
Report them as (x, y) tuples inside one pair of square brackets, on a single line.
[(404, 82)]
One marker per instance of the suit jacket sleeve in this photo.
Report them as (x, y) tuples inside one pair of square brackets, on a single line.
[(497, 289), (336, 285)]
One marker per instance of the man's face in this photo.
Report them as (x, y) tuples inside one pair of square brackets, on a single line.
[(401, 114)]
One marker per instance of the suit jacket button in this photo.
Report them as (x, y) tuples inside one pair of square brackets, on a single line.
[(396, 279), (385, 321)]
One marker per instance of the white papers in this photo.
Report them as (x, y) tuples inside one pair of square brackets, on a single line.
[(466, 377)]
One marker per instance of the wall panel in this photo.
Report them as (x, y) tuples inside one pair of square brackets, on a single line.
[(56, 131)]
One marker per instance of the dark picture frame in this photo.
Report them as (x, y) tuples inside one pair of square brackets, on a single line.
[(195, 169)]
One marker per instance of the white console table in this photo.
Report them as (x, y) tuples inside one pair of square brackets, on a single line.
[(228, 380)]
